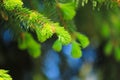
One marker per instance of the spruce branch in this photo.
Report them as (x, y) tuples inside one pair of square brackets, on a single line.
[(33, 20), (30, 20)]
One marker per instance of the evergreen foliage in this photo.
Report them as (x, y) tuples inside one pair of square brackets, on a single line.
[(4, 75), (55, 17), (29, 20), (68, 10), (76, 50), (57, 46)]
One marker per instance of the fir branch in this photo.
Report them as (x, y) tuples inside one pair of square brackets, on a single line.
[(34, 21)]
